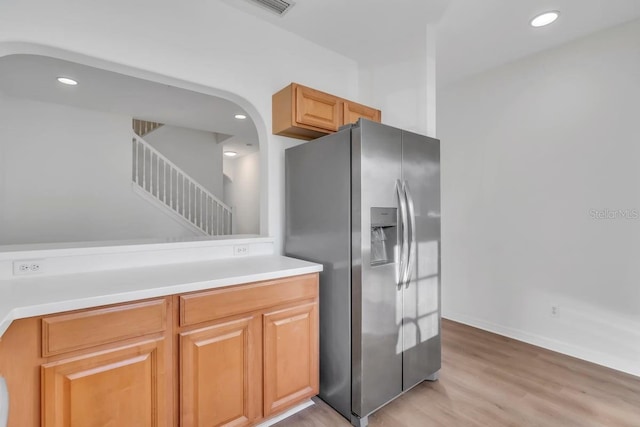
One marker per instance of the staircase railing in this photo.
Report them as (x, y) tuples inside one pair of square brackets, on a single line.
[(160, 178)]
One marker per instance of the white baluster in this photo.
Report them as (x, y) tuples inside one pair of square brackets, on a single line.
[(144, 167), (214, 218), (134, 160), (199, 210), (151, 173), (202, 209), (134, 147), (217, 218), (210, 216), (164, 181), (196, 205), (178, 193), (206, 214)]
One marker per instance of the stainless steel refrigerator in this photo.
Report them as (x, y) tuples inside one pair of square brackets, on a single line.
[(365, 203)]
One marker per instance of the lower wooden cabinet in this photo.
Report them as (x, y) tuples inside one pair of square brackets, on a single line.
[(242, 368), (138, 364), (221, 374), (119, 387), (290, 356)]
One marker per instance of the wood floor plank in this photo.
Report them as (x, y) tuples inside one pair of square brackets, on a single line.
[(491, 380)]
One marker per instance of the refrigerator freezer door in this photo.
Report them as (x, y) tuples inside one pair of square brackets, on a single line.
[(318, 229), (376, 299), (421, 295)]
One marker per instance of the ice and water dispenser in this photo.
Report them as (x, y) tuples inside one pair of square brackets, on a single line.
[(384, 235)]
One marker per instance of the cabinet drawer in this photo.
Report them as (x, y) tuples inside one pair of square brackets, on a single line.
[(219, 303), (85, 329)]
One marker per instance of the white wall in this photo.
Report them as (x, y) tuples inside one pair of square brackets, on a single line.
[(242, 192), (195, 152), (528, 150), (256, 62), (405, 91), (66, 177)]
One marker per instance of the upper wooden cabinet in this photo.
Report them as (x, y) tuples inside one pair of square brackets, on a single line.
[(305, 113), (317, 109), (352, 112)]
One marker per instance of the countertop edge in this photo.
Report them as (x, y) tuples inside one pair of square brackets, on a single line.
[(26, 311)]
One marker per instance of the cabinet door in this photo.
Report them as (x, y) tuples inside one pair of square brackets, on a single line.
[(317, 109), (290, 356), (221, 374), (352, 112), (120, 387)]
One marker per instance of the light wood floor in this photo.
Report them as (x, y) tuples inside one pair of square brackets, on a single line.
[(490, 380)]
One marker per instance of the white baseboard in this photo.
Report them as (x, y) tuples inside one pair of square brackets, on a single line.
[(627, 366), (287, 414)]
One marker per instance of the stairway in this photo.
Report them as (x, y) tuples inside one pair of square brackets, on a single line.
[(143, 127), (162, 182)]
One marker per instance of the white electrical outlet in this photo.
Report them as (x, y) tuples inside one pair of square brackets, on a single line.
[(555, 311), (241, 250), (28, 266)]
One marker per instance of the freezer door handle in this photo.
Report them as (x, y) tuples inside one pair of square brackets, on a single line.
[(412, 242), (403, 235)]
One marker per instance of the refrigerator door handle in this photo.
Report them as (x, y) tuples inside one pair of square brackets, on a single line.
[(403, 236), (411, 243)]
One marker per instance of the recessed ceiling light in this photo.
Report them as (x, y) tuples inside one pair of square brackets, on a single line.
[(240, 116), (230, 153), (545, 18), (67, 81)]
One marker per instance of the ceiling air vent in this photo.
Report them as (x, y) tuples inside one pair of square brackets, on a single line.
[(279, 7)]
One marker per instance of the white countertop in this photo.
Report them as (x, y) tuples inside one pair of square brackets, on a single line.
[(36, 296)]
